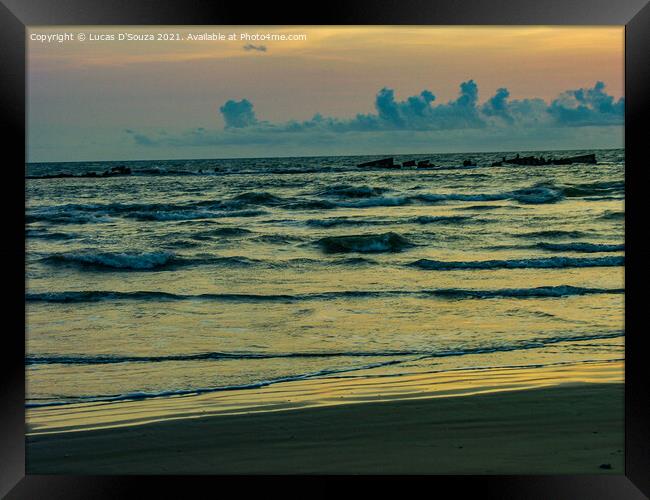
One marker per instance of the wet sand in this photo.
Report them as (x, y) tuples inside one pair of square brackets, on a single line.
[(570, 428)]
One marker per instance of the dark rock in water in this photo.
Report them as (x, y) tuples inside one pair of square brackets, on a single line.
[(409, 163), (425, 164), (526, 160), (605, 466), (497, 164), (469, 163), (591, 159), (364, 243), (384, 163), (532, 160)]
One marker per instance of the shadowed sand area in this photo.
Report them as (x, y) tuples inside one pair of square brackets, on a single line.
[(571, 422)]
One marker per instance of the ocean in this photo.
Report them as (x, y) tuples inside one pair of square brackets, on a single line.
[(192, 276)]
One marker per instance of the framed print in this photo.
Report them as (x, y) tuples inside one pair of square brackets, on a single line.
[(372, 242)]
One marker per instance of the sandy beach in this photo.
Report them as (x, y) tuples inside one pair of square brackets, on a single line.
[(566, 420)]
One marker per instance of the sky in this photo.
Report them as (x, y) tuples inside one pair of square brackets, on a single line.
[(327, 91)]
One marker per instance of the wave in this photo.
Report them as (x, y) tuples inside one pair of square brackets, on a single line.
[(248, 204), (278, 239), (204, 356), (364, 243), (593, 189), (225, 232), (74, 217), (446, 293), (310, 205), (584, 247), (94, 214), (99, 295), (350, 191), (613, 215), (381, 201), (538, 292), (257, 198), (166, 261), (553, 233), (453, 219), (539, 263), (202, 390), (362, 221), (183, 215), (437, 198), (397, 357), (180, 244), (345, 221), (171, 215), (218, 355), (43, 234), (482, 207), (107, 260), (242, 213), (538, 194), (231, 261)]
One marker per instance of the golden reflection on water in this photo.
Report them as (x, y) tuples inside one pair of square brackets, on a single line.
[(321, 392)]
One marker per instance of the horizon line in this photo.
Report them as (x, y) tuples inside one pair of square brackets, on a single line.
[(323, 156)]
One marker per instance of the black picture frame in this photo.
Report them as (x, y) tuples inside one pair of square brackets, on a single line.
[(16, 15)]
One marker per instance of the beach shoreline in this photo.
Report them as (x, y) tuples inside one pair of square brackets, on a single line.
[(571, 423)]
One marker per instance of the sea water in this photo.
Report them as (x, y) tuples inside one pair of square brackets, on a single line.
[(205, 275)]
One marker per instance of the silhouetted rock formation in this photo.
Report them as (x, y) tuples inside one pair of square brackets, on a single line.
[(532, 160), (591, 159), (383, 163)]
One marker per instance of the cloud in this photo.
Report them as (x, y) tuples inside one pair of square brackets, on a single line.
[(497, 105), (257, 48), (141, 139), (414, 113), (417, 112), (238, 114), (585, 107)]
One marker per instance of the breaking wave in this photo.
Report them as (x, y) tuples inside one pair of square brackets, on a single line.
[(248, 204), (541, 263), (122, 260), (349, 191), (553, 233), (394, 358), (583, 247), (364, 243), (444, 293), (453, 219), (613, 215)]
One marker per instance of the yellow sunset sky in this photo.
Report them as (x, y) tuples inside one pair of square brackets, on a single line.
[(95, 88)]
